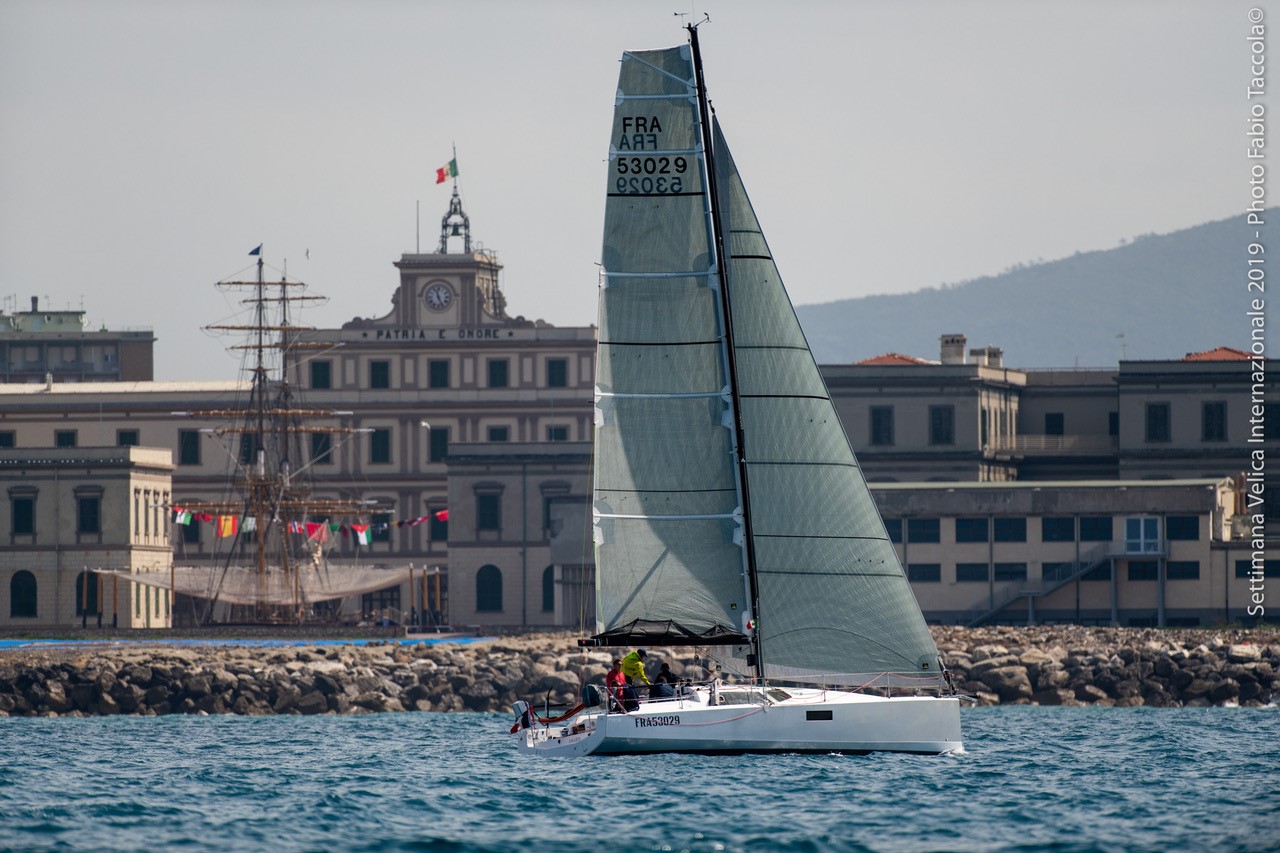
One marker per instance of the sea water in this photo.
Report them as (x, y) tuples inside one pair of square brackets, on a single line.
[(1029, 778)]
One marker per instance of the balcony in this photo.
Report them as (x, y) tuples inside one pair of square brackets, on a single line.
[(1055, 445)]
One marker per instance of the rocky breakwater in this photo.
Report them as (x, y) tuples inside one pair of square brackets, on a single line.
[(158, 679), (1061, 665), (1122, 667)]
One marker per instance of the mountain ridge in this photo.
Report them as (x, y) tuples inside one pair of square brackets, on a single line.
[(1156, 296)]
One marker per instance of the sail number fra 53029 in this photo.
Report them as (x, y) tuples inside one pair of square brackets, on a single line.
[(672, 720), (649, 175)]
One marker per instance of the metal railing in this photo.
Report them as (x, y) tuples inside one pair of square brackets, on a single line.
[(1057, 445)]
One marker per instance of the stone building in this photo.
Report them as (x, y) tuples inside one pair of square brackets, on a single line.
[(69, 514), (54, 346)]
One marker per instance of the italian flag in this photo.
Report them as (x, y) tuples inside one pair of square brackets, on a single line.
[(181, 516), (361, 532), (444, 173)]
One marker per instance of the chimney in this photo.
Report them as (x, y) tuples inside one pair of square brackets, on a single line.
[(978, 356), (995, 357), (953, 349), (35, 304)]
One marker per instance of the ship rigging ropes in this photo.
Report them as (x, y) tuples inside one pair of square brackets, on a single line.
[(282, 545)]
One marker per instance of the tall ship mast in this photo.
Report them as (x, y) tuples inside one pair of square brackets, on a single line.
[(278, 531)]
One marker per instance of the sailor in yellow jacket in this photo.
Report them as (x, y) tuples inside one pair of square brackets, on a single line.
[(633, 667)]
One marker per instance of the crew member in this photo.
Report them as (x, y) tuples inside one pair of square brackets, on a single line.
[(633, 667)]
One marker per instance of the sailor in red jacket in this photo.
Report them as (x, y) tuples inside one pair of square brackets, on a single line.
[(615, 681)]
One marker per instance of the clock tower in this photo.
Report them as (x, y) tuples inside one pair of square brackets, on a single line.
[(447, 289)]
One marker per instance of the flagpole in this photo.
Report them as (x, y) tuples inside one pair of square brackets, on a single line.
[(417, 227)]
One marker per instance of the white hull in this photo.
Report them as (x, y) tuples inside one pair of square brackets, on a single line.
[(807, 721)]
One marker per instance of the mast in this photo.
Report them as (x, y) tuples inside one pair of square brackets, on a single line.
[(722, 273)]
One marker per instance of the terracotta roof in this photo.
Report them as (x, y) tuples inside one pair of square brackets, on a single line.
[(893, 358), (1219, 354)]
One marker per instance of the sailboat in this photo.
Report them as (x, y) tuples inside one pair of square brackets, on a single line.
[(729, 511)]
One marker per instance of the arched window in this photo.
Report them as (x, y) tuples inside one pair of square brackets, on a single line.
[(549, 589), (92, 605), (489, 590), (22, 594)]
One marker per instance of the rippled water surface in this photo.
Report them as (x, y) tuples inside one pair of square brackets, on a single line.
[(1031, 778)]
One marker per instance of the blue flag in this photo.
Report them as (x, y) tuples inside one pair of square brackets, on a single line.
[(257, 251)]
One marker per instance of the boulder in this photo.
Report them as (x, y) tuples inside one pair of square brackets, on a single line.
[(313, 702), (1090, 693), (1246, 653), (1055, 696), (1010, 683)]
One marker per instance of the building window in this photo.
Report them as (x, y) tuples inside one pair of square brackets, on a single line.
[(557, 373), (499, 433), (489, 590), (1213, 422), (380, 447), (1142, 535), (322, 374), (498, 373), (1144, 570), (379, 374), (1268, 569), (89, 515), (881, 425), (64, 438), (1182, 528), (924, 572), (188, 447), (439, 444), (893, 526), (1010, 529), (971, 530), (126, 438), (191, 533), (548, 589), (381, 605), (438, 373), (1182, 570), (1011, 572), (489, 511), (1096, 528), (380, 527), (250, 444), (7, 439), (557, 433), (321, 448), (1053, 423), (1101, 573), (1157, 421), (984, 424), (942, 424), (22, 595), (1058, 529), (923, 530), (1113, 424), (86, 582), (1271, 428), (972, 573), (23, 516)]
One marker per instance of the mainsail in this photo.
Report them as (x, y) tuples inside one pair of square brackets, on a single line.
[(723, 473)]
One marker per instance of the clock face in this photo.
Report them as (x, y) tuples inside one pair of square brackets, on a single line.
[(438, 296)]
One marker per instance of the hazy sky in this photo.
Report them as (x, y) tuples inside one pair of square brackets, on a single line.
[(147, 145)]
